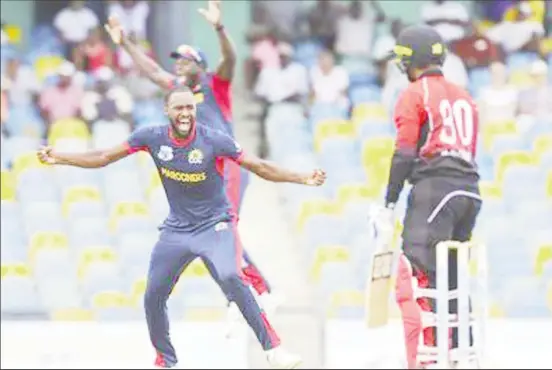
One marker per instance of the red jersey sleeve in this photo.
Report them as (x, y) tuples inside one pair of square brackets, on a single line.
[(409, 116)]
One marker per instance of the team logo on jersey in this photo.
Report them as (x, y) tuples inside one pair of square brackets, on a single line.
[(165, 153), (195, 156), (199, 97), (221, 226), (238, 147)]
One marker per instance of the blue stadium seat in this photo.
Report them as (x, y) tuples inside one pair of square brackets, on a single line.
[(365, 94)]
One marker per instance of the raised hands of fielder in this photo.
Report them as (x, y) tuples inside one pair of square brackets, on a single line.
[(114, 29), (213, 13)]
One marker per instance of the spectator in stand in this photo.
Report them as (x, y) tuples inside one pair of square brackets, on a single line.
[(4, 109), (449, 18), (123, 62), (25, 87), (74, 24), (536, 100), (280, 15), (498, 101), (329, 83), (93, 53), (62, 100), (522, 28), (355, 30), (286, 83), (322, 20), (389, 77), (133, 16), (108, 101), (476, 49), (264, 53), (140, 86)]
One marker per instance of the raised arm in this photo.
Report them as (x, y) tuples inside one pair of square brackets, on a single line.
[(226, 67), (91, 159), (147, 65), (272, 172)]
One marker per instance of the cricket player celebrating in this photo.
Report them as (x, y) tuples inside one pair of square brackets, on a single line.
[(190, 158), (437, 131), (213, 96)]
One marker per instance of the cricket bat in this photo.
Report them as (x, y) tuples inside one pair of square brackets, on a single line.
[(380, 279)]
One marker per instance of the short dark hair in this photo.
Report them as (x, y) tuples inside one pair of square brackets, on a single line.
[(181, 88)]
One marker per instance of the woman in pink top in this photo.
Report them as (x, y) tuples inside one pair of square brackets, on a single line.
[(62, 100), (93, 53)]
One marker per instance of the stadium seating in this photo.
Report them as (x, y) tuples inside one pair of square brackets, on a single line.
[(75, 243), (515, 164)]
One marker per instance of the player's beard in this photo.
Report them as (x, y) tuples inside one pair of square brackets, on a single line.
[(183, 127)]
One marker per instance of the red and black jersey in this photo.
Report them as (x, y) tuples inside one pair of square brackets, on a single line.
[(437, 132)]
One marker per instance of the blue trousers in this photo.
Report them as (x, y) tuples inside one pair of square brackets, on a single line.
[(220, 249)]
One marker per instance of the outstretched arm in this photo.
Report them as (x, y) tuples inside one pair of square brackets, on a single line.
[(225, 69), (272, 172), (147, 65), (92, 159)]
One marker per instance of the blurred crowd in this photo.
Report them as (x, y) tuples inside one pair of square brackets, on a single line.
[(84, 77), (478, 35)]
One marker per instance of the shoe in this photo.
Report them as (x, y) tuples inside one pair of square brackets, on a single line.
[(233, 319), (278, 358)]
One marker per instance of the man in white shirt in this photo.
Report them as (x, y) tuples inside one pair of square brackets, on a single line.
[(355, 30), (455, 70), (449, 18), (287, 83), (329, 83), (133, 16), (74, 23)]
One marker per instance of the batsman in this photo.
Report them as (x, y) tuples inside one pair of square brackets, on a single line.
[(437, 133)]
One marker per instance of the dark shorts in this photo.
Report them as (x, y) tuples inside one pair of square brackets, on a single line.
[(439, 209)]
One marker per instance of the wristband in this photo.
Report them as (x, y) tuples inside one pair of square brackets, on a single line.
[(219, 27)]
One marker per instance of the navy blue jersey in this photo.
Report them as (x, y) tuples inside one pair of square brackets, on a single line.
[(192, 173)]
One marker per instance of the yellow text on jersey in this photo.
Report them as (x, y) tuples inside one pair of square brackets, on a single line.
[(187, 177)]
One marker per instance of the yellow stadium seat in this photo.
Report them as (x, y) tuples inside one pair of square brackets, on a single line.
[(513, 158), (204, 314), (367, 111), (72, 314), (549, 185), (111, 299), (15, 270), (541, 145), (521, 79), (95, 255), (47, 239), (376, 160), (47, 65), (352, 192), (79, 194), (138, 290), (327, 254), (14, 33), (312, 207), (196, 269), (68, 128), (546, 46), (127, 209), (490, 190), (154, 182), (26, 161), (7, 186), (345, 298), (332, 128), (544, 256), (375, 150), (496, 310), (489, 130)]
